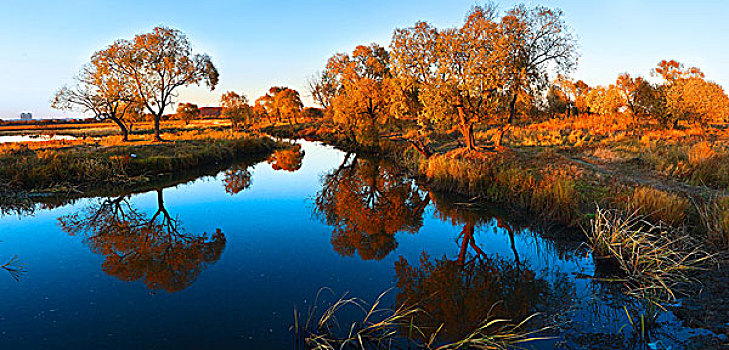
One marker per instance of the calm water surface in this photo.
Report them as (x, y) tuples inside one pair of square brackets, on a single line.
[(221, 262), (33, 138)]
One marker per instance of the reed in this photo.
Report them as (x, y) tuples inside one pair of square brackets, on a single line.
[(655, 259), (714, 217), (382, 328)]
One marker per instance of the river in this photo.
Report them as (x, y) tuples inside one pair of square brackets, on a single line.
[(223, 261)]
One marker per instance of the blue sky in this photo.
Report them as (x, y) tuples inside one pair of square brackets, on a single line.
[(257, 44)]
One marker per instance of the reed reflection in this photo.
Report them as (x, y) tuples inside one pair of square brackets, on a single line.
[(154, 249), (367, 202)]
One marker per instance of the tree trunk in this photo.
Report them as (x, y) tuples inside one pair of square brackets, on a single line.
[(512, 115), (157, 136), (421, 148), (466, 130), (124, 130)]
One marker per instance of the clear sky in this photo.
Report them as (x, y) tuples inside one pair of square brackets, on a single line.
[(257, 44)]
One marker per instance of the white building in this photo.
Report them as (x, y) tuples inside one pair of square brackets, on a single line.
[(26, 116)]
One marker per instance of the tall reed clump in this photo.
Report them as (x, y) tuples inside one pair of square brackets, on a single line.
[(654, 259), (504, 178), (659, 206), (383, 328), (714, 216)]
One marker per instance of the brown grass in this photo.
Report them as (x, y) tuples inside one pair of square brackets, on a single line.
[(659, 206)]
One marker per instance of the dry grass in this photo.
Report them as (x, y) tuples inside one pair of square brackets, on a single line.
[(653, 259), (714, 215), (506, 177), (382, 328), (659, 206), (25, 167)]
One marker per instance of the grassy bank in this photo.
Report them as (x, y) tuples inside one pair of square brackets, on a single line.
[(75, 166), (565, 179)]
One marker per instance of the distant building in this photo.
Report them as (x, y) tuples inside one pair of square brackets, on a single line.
[(210, 112), (26, 116)]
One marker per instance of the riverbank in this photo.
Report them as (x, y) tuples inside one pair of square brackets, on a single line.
[(85, 166), (559, 185)]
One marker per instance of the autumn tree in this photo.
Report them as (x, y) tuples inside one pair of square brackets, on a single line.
[(312, 113), (236, 108), (360, 103), (696, 100), (281, 102), (322, 88), (604, 100), (573, 93), (187, 112), (635, 93), (536, 41), (687, 96), (456, 71), (107, 94), (155, 65)]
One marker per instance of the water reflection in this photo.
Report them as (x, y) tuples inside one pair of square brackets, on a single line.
[(367, 202), (156, 250), (237, 179), (289, 159), (459, 293)]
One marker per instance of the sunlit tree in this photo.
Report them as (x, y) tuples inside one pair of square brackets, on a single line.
[(457, 72), (322, 88), (687, 96), (235, 107), (536, 41), (107, 94), (360, 102), (155, 65), (187, 112), (604, 100), (280, 102)]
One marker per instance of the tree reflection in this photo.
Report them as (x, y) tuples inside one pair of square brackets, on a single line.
[(460, 293), (155, 249), (237, 178), (368, 202), (460, 214), (289, 159)]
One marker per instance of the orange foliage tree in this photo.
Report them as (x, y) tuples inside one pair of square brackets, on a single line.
[(155, 65), (360, 103), (280, 102), (105, 93), (187, 112), (468, 75), (236, 108)]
